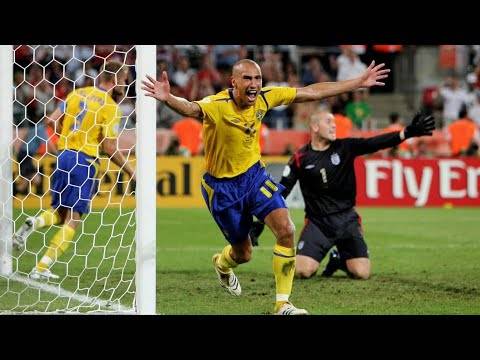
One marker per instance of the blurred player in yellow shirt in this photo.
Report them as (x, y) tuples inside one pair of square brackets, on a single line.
[(87, 123), (236, 185)]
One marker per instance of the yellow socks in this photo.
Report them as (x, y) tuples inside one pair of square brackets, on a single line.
[(284, 269), (58, 245), (225, 262), (47, 218)]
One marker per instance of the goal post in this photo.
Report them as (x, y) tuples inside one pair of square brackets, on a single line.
[(146, 184), (6, 115)]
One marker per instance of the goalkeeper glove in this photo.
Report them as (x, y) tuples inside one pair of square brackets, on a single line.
[(422, 124), (255, 231)]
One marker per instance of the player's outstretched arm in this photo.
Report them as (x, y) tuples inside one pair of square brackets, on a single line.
[(371, 77), (421, 125), (160, 90)]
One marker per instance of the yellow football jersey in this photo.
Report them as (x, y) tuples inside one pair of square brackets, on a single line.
[(231, 135), (90, 114)]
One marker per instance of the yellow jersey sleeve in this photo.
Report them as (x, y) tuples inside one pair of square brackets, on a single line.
[(276, 95), (209, 108), (111, 114)]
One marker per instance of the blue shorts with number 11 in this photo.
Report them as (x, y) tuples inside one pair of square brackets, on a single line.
[(233, 201)]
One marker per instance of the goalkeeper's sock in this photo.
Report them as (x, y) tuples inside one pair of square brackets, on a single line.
[(58, 245), (47, 218), (255, 232), (340, 262), (335, 263), (284, 270), (342, 265), (225, 262)]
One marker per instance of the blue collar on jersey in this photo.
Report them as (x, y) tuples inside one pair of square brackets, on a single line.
[(262, 94), (230, 93)]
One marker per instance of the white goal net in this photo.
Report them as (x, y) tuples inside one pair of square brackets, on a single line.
[(49, 265)]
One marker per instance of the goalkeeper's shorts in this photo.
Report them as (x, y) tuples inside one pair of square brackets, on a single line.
[(233, 201), (74, 181), (343, 230)]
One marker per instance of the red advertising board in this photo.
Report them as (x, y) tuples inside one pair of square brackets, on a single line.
[(418, 182)]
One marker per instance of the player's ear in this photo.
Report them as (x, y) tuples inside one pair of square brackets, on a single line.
[(233, 82)]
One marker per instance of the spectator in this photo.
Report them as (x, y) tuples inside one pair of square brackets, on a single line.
[(20, 94), (422, 149), (291, 72), (358, 110), (201, 87), (208, 71), (86, 77), (174, 147), (462, 134), (44, 98), (277, 117), (202, 83), (396, 125), (164, 54), (166, 117), (23, 55), (313, 72), (386, 54), (474, 110), (302, 114), (63, 53), (453, 98), (225, 79), (81, 53), (62, 88), (471, 80), (43, 54), (183, 75), (349, 64), (343, 123), (429, 99), (35, 134), (477, 74), (163, 65), (227, 55), (188, 132)]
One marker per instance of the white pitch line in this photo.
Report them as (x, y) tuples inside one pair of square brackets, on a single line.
[(59, 291)]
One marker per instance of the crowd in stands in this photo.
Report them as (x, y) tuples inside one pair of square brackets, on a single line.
[(456, 103), (44, 75)]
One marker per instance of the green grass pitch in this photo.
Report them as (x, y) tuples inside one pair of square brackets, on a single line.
[(424, 261)]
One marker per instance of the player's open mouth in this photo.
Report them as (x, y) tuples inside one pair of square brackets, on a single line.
[(251, 95)]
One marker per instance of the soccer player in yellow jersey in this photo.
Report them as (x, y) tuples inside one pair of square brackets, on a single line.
[(236, 185), (87, 124)]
